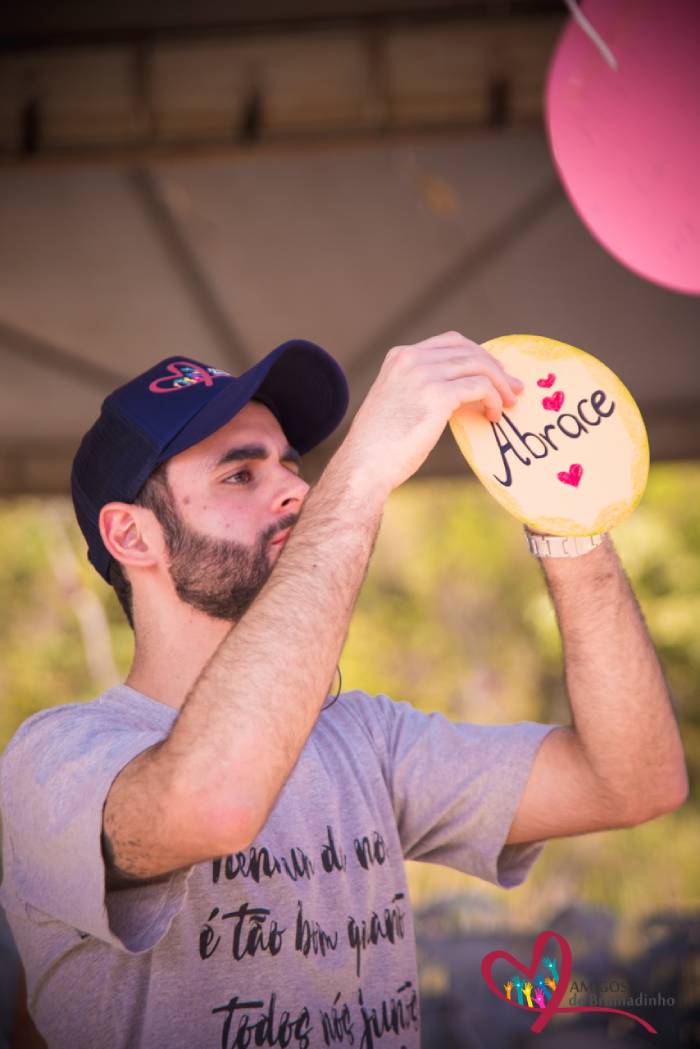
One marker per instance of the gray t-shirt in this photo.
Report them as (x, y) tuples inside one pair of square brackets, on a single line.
[(305, 939)]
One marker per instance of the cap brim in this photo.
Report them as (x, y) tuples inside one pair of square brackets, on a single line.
[(301, 383)]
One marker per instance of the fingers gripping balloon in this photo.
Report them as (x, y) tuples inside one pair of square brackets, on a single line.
[(571, 458)]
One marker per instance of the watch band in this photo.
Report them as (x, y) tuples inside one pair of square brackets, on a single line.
[(561, 545)]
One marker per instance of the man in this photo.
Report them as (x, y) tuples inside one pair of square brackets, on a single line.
[(210, 854)]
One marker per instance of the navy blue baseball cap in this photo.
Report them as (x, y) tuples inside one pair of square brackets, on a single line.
[(177, 403)]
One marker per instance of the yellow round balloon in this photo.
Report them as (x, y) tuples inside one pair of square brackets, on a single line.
[(572, 456)]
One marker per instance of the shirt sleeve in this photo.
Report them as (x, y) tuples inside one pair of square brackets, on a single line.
[(455, 789), (54, 779)]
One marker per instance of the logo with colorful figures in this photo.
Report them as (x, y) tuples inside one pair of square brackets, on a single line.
[(541, 986), (542, 989), (184, 374)]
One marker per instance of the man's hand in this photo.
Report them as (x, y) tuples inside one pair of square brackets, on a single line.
[(416, 391)]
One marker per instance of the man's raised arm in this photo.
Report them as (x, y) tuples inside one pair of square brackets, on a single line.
[(621, 761)]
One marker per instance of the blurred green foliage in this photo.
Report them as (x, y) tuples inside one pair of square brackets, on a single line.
[(454, 616)]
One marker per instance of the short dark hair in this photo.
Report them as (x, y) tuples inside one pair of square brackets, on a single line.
[(157, 496)]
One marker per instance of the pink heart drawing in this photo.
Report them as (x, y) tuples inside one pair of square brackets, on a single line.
[(545, 1015), (169, 383), (549, 381), (554, 402), (574, 475)]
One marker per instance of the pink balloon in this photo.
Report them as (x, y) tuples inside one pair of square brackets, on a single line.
[(626, 141)]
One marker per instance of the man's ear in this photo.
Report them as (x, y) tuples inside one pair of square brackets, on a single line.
[(130, 534)]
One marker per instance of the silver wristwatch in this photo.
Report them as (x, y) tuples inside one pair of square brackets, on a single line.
[(561, 545)]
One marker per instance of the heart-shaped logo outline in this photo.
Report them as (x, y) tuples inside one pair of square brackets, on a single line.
[(200, 375), (554, 403), (546, 1014), (549, 381), (571, 476)]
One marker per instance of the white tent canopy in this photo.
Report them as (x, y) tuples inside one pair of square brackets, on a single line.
[(117, 253)]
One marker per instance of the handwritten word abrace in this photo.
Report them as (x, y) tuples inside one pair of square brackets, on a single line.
[(572, 456)]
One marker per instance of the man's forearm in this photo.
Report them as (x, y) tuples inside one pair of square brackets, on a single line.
[(243, 725), (622, 712)]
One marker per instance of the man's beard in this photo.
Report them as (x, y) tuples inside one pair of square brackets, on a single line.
[(218, 576)]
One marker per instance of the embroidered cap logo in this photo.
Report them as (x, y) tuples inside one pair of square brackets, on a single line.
[(185, 374)]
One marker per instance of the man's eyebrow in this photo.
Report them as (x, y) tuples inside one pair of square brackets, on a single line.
[(255, 451)]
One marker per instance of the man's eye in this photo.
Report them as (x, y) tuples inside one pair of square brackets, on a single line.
[(240, 477)]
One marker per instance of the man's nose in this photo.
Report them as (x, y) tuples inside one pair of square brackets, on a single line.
[(291, 492)]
